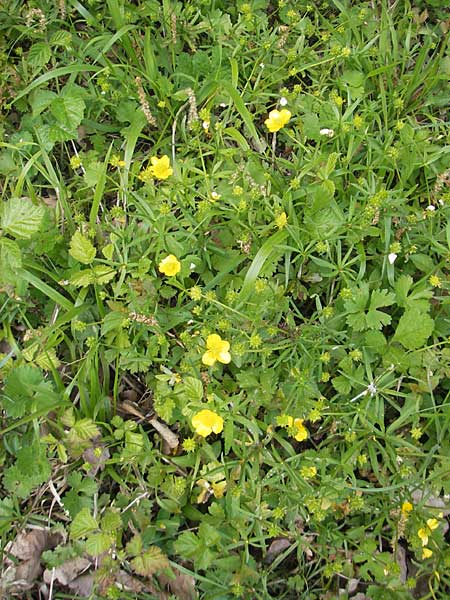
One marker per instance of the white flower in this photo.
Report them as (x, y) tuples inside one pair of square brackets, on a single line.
[(283, 101), (431, 208), (327, 132), (392, 257)]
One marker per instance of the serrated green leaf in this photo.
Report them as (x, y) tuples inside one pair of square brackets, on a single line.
[(61, 38), (68, 110), (82, 278), (86, 429), (134, 546), (193, 389), (357, 321), (414, 329), (381, 298), (81, 248), (111, 520), (97, 543), (92, 173), (152, 561), (39, 55), (21, 218), (40, 99), (83, 524), (25, 386), (103, 274), (188, 545), (209, 535), (108, 251), (10, 260)]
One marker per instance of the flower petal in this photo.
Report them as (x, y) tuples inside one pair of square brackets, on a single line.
[(208, 358), (224, 357)]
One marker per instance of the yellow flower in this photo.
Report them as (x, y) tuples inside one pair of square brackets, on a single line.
[(281, 220), (299, 431), (277, 119), (170, 266), (161, 168), (423, 535), (435, 281), (407, 507), (432, 524), (426, 553), (206, 422), (219, 489), (217, 349), (424, 532)]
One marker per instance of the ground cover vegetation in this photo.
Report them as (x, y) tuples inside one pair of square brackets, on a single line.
[(224, 299)]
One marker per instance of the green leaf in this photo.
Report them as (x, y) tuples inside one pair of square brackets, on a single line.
[(30, 470), (258, 262), (414, 329), (39, 55), (98, 543), (152, 561), (193, 389), (86, 429), (61, 38), (83, 524), (188, 545), (418, 298), (40, 100), (82, 249), (25, 386), (82, 278), (243, 111), (134, 546), (68, 110), (10, 260), (21, 218), (92, 173), (103, 274)]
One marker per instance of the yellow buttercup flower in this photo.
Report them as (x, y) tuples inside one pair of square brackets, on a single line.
[(407, 507), (217, 349), (206, 422), (170, 265), (426, 553), (277, 119), (425, 532), (298, 430), (161, 168)]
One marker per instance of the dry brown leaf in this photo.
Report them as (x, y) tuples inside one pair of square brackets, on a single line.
[(167, 434), (68, 571), (27, 548), (183, 586), (83, 585), (400, 555), (276, 547)]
